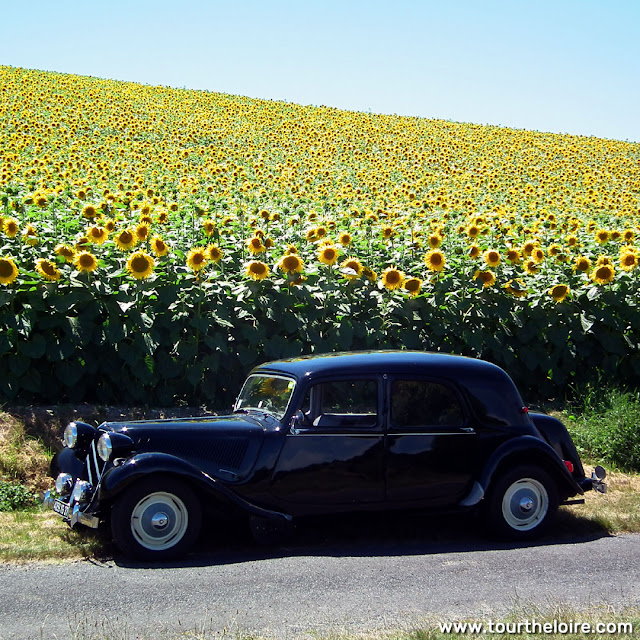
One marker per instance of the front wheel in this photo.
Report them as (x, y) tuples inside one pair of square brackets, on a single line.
[(522, 503), (156, 519)]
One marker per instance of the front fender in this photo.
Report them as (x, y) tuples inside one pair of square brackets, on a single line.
[(117, 479), (523, 450)]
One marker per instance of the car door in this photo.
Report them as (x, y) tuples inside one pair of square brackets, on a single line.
[(430, 444), (333, 459)]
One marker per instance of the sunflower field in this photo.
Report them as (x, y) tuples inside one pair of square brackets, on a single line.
[(156, 243)]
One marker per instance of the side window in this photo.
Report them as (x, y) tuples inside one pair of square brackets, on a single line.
[(342, 403), (422, 403)]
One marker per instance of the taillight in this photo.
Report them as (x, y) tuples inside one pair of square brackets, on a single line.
[(569, 465)]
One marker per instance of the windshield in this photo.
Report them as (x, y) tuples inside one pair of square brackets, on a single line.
[(266, 393)]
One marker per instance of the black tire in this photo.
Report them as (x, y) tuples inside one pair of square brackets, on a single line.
[(156, 519), (521, 504)]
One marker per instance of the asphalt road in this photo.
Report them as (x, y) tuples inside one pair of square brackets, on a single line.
[(321, 581)]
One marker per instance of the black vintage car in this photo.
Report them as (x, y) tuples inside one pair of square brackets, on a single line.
[(325, 435)]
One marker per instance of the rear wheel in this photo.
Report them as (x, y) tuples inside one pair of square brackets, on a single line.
[(522, 503), (156, 519)]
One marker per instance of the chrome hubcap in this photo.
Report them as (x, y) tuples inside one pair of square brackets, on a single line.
[(159, 520), (526, 504)]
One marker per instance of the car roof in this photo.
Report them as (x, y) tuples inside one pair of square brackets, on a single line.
[(381, 361)]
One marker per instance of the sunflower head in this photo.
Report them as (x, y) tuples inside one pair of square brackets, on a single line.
[(48, 270), (492, 257), (159, 246), (290, 264), (487, 278), (413, 286), (126, 240), (513, 256), (392, 278), (255, 245), (196, 259), (8, 271), (328, 255), (435, 260), (559, 292), (582, 264), (11, 227), (516, 288), (628, 260), (257, 270), (140, 265), (214, 253), (603, 274), (98, 235), (89, 211), (351, 268), (85, 261), (66, 252)]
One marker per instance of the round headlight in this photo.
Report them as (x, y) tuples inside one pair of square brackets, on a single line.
[(105, 448), (64, 483), (71, 435), (81, 491)]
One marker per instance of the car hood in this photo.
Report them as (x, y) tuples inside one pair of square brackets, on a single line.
[(230, 443)]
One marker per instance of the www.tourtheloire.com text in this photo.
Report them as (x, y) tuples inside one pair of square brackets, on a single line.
[(533, 626)]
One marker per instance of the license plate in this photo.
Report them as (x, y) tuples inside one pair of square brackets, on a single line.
[(62, 508)]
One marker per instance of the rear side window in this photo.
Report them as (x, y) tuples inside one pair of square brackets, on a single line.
[(423, 403)]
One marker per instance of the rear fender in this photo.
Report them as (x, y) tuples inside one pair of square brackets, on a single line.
[(524, 450), (117, 479)]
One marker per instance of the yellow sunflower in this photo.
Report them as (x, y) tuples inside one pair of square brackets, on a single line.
[(516, 288), (602, 236), (126, 240), (85, 261), (351, 268), (255, 245), (491, 257), (487, 278), (257, 270), (159, 246), (290, 263), (413, 286), (435, 260), (140, 265), (345, 239), (209, 226), (48, 270), (11, 227), (513, 256), (30, 236), (435, 240), (196, 259), (142, 231), (8, 271), (67, 252), (582, 263), (474, 251), (392, 278), (214, 253), (328, 255), (559, 292), (628, 259), (98, 235), (89, 211), (531, 267), (603, 274)]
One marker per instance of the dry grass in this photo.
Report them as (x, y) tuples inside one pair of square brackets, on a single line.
[(28, 536), (618, 510), (23, 458)]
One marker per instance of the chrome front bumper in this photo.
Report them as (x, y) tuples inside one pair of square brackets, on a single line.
[(72, 514)]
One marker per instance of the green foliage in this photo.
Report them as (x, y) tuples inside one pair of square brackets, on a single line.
[(15, 497), (607, 427)]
